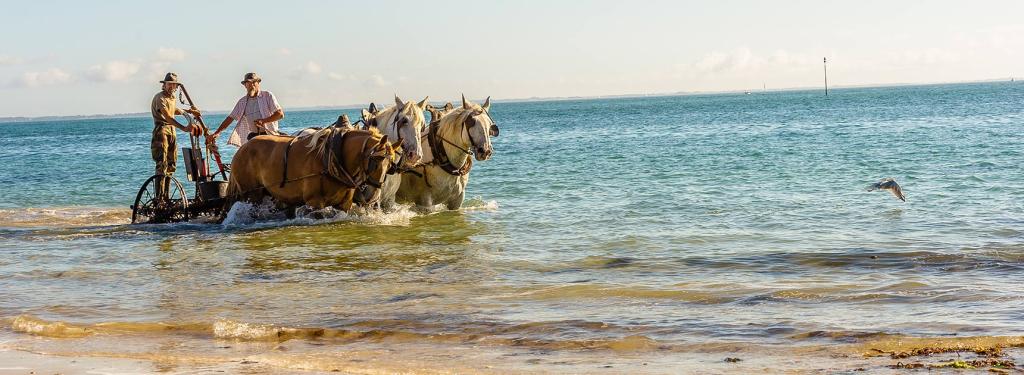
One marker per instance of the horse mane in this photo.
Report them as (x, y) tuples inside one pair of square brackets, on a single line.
[(317, 142), (386, 114), (457, 116)]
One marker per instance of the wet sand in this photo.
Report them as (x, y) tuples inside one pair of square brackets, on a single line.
[(22, 353)]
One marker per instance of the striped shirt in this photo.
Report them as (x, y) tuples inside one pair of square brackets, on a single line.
[(250, 109)]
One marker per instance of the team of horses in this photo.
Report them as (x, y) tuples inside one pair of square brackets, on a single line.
[(396, 157)]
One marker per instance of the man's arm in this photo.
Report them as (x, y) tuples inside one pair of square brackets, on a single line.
[(223, 125), (191, 111), (277, 115), (278, 112), (169, 117)]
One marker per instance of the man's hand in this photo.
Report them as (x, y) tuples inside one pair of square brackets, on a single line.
[(192, 129), (194, 111), (259, 123)]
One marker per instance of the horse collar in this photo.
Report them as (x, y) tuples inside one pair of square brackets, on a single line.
[(441, 157)]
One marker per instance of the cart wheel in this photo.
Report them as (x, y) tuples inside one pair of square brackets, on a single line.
[(149, 209)]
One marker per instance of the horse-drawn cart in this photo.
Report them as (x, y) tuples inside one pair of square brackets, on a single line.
[(173, 205)]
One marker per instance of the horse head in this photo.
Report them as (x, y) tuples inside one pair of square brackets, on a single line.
[(404, 120), (381, 158), (480, 127)]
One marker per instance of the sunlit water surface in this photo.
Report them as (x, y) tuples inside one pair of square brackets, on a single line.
[(650, 226)]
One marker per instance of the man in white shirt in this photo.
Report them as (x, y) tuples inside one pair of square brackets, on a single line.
[(257, 113)]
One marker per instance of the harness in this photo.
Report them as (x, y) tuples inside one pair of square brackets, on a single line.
[(437, 148), (441, 157), (397, 166), (334, 164)]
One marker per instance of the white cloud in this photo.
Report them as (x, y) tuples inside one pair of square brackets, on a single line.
[(157, 69), (340, 77), (744, 62), (737, 60), (9, 60), (786, 59), (284, 51), (52, 76), (927, 56), (309, 68), (113, 71), (170, 54), (375, 81), (313, 68)]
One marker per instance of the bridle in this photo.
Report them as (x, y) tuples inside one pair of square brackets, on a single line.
[(437, 149), (360, 178), (368, 123)]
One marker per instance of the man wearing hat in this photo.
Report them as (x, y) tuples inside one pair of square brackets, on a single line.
[(163, 145), (257, 113)]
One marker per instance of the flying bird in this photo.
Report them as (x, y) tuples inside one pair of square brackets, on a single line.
[(888, 184)]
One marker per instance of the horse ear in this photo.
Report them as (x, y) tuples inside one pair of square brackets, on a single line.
[(397, 143), (423, 104), (383, 141), (487, 104), (373, 108), (398, 102), (448, 106), (465, 104)]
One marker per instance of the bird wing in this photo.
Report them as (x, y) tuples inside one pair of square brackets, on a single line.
[(897, 191)]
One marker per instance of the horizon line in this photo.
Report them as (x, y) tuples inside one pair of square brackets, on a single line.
[(522, 100)]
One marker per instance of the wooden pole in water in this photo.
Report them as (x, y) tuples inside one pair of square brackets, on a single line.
[(824, 62)]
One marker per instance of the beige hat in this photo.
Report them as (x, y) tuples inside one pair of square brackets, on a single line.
[(171, 78), (253, 77)]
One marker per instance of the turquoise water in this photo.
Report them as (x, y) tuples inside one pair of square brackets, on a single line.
[(678, 220)]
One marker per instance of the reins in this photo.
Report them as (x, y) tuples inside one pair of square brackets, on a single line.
[(441, 157), (397, 167), (333, 161)]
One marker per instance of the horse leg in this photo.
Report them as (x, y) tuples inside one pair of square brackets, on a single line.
[(255, 198), (346, 201), (425, 201), (454, 203), (289, 210), (386, 205)]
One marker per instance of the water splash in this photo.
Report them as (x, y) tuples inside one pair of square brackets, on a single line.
[(266, 215)]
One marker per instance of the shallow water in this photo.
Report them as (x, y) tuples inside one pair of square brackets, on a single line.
[(648, 228)]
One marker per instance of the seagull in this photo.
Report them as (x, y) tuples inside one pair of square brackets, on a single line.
[(888, 184)]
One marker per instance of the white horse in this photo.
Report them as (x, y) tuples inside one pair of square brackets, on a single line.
[(405, 120), (449, 144)]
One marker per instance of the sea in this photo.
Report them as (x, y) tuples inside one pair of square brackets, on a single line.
[(710, 233)]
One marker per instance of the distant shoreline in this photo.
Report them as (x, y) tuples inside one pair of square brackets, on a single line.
[(516, 100)]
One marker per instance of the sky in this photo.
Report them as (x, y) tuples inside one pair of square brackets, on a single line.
[(106, 57)]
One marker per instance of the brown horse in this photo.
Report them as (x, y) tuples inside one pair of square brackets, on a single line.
[(320, 170)]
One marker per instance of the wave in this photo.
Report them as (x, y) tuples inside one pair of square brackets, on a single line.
[(542, 336), (39, 327), (598, 291), (366, 331), (479, 204), (63, 216)]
